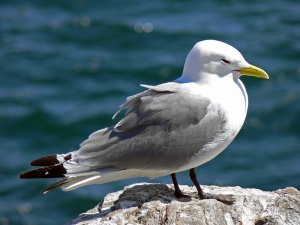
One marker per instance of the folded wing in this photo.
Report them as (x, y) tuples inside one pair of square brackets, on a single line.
[(163, 127)]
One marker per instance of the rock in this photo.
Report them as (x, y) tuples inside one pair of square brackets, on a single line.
[(155, 204)]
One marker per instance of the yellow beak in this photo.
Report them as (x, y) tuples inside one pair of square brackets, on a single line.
[(254, 72)]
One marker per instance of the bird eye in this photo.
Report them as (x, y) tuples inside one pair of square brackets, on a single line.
[(225, 61)]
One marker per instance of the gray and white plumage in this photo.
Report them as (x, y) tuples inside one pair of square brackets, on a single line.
[(166, 129)]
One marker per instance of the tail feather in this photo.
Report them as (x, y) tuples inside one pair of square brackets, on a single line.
[(74, 174), (56, 185), (69, 183), (77, 182), (54, 171)]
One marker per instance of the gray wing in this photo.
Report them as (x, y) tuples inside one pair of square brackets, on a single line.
[(163, 127)]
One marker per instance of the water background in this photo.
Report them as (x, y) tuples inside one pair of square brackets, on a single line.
[(66, 66)]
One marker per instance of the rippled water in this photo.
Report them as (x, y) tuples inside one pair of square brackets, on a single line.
[(66, 66)]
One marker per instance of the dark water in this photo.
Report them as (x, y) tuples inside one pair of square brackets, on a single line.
[(65, 66)]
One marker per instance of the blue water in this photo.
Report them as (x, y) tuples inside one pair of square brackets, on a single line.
[(66, 66)]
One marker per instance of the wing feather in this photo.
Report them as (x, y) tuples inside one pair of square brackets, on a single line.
[(163, 128), (164, 122)]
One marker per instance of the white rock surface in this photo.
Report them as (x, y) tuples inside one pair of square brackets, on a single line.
[(155, 204)]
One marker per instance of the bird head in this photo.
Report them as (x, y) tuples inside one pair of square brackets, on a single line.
[(215, 59)]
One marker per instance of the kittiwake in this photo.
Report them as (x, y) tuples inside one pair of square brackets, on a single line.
[(168, 128)]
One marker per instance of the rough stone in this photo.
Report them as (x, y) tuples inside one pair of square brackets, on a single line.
[(155, 204)]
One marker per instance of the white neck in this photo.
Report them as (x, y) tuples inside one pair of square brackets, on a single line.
[(215, 81)]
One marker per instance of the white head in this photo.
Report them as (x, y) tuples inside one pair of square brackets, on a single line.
[(211, 58)]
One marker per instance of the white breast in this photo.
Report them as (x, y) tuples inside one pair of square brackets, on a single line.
[(232, 98), (234, 101)]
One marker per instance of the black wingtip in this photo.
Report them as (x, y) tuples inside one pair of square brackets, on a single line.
[(55, 171), (50, 160), (45, 161)]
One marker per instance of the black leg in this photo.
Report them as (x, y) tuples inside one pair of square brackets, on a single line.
[(228, 200), (178, 193), (196, 183)]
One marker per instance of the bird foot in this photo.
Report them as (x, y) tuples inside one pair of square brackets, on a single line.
[(225, 199), (180, 195)]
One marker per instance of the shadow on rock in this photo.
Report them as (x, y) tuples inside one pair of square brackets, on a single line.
[(140, 194), (136, 196)]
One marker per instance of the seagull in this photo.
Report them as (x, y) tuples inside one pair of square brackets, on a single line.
[(166, 129)]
